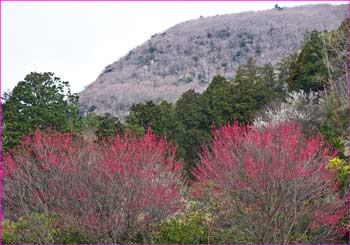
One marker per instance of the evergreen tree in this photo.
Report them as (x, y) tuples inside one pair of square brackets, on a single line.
[(108, 126), (218, 102), (192, 129), (284, 69), (310, 72), (253, 89), (159, 117), (40, 101)]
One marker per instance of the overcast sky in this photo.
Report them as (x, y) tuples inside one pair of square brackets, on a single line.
[(76, 40)]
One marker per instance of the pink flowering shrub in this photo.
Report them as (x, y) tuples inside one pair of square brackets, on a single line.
[(112, 192), (271, 184)]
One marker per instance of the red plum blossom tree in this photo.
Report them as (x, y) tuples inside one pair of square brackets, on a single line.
[(271, 184), (111, 192)]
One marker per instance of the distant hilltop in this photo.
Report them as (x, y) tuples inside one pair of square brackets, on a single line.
[(188, 55)]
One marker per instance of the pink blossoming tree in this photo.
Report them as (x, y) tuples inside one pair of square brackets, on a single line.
[(110, 193), (271, 184)]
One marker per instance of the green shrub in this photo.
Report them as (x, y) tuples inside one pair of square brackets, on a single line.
[(197, 225), (190, 227), (342, 167), (35, 228), (334, 125), (39, 228)]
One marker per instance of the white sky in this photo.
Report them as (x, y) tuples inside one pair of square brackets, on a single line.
[(76, 40)]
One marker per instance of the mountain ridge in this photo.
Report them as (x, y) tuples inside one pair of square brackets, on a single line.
[(188, 55)]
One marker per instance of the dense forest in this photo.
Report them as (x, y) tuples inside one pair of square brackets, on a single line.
[(261, 158)]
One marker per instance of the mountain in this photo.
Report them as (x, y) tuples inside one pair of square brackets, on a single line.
[(187, 56)]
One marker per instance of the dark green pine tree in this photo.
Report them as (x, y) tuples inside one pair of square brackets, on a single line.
[(217, 103), (159, 117), (192, 130), (284, 69), (253, 89), (309, 72)]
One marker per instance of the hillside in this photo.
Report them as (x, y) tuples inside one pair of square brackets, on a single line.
[(188, 55)]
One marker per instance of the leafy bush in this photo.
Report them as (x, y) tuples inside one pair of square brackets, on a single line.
[(35, 228), (342, 167), (223, 34), (185, 80), (108, 126), (39, 228), (190, 227), (111, 192), (152, 49), (335, 123)]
